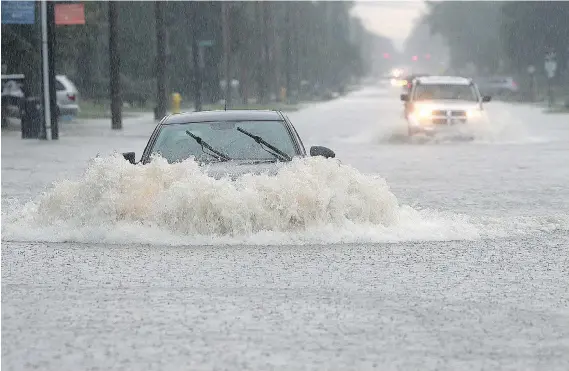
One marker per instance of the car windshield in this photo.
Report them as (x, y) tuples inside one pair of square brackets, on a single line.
[(175, 145), (445, 91)]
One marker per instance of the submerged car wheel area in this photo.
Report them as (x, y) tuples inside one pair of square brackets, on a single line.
[(231, 142), (443, 103)]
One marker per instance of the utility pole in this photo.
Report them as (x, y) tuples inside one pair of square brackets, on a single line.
[(114, 59), (160, 62), (226, 51), (550, 68), (51, 56), (45, 71), (531, 73), (195, 58), (288, 50), (296, 43), (275, 65), (259, 73), (266, 50), (328, 77), (48, 56)]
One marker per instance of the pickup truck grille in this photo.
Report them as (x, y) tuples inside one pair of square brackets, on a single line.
[(448, 117)]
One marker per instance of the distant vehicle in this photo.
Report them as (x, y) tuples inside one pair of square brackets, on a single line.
[(408, 82), (503, 86), (398, 77), (438, 103), (13, 95), (67, 96), (231, 143), (394, 75)]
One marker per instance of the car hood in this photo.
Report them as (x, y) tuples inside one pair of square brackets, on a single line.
[(235, 169), (447, 105)]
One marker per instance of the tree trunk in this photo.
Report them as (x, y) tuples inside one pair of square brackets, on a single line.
[(114, 68), (160, 61)]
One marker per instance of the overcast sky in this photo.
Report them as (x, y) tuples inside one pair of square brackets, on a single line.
[(393, 19)]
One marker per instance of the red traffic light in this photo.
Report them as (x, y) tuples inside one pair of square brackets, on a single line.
[(415, 58), (386, 55)]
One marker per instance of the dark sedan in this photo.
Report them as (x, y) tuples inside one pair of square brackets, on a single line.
[(232, 142)]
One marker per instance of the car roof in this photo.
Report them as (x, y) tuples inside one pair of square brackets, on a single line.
[(447, 80), (67, 83), (229, 115)]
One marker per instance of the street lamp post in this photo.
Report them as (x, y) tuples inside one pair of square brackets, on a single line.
[(550, 68)]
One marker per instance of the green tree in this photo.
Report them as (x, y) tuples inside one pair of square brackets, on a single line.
[(471, 30), (271, 43), (530, 29)]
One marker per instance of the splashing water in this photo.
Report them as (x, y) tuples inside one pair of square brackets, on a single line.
[(500, 127), (310, 200)]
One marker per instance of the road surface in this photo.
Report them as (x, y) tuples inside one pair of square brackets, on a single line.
[(430, 254)]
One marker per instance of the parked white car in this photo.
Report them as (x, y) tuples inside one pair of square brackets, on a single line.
[(13, 94), (437, 103), (67, 96), (498, 86)]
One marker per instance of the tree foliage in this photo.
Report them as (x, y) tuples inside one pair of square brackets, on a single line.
[(270, 42), (494, 35), (531, 29), (471, 30), (421, 42)]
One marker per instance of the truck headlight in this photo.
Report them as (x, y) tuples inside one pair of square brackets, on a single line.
[(474, 114), (424, 113)]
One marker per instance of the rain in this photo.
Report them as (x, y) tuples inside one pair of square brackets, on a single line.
[(343, 185)]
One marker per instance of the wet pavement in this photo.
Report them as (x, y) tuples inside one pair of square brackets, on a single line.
[(483, 287)]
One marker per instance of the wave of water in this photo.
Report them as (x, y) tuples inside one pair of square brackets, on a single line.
[(500, 127), (309, 201)]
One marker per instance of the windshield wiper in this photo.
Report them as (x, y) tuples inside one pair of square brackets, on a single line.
[(220, 156), (273, 150)]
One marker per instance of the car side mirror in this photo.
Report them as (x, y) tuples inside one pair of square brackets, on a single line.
[(404, 97), (322, 151), (130, 157), (486, 98)]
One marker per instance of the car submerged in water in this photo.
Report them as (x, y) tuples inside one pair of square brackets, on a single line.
[(443, 103), (231, 143)]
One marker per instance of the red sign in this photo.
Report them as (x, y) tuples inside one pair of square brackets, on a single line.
[(67, 14)]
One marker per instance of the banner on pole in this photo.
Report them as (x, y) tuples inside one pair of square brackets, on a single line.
[(69, 14), (18, 12)]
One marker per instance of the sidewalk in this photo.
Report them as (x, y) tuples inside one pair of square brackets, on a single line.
[(31, 165), (92, 126)]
